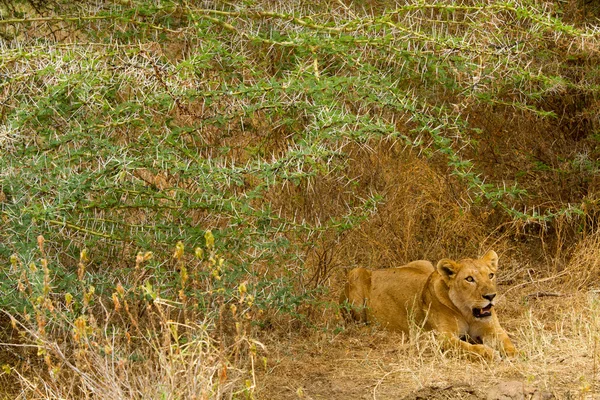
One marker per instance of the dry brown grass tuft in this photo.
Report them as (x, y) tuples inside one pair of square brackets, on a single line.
[(424, 215), (103, 365), (584, 267)]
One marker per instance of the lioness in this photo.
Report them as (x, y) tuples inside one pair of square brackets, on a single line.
[(456, 299)]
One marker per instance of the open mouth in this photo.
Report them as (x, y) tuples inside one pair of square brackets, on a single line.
[(483, 312)]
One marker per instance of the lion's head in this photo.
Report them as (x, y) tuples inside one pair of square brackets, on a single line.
[(471, 284)]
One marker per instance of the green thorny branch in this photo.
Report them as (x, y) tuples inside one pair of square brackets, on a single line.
[(462, 168), (351, 26)]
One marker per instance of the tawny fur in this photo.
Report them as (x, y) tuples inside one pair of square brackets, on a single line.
[(442, 299)]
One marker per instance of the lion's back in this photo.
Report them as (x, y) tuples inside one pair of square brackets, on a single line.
[(396, 294)]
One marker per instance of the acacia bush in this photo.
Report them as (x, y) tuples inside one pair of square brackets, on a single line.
[(307, 137)]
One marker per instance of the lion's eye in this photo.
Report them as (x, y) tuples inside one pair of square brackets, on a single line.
[(491, 276), (469, 279)]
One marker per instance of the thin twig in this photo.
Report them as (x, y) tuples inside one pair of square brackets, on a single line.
[(545, 294), (532, 282), (83, 18), (82, 229), (58, 19)]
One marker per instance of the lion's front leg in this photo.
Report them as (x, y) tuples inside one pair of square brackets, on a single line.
[(451, 340), (507, 347), (499, 338), (494, 336)]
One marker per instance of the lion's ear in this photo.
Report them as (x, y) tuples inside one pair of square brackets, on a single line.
[(491, 258), (447, 268)]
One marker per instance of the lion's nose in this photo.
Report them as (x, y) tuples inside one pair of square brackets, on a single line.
[(489, 296)]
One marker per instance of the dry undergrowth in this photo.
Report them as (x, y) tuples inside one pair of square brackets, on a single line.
[(556, 337), (135, 344), (584, 267), (556, 334)]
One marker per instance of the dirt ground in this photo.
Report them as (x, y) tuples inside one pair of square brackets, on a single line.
[(556, 335)]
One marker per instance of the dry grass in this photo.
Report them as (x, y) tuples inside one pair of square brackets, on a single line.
[(166, 360), (422, 214), (584, 267), (556, 338), (135, 344), (155, 366)]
